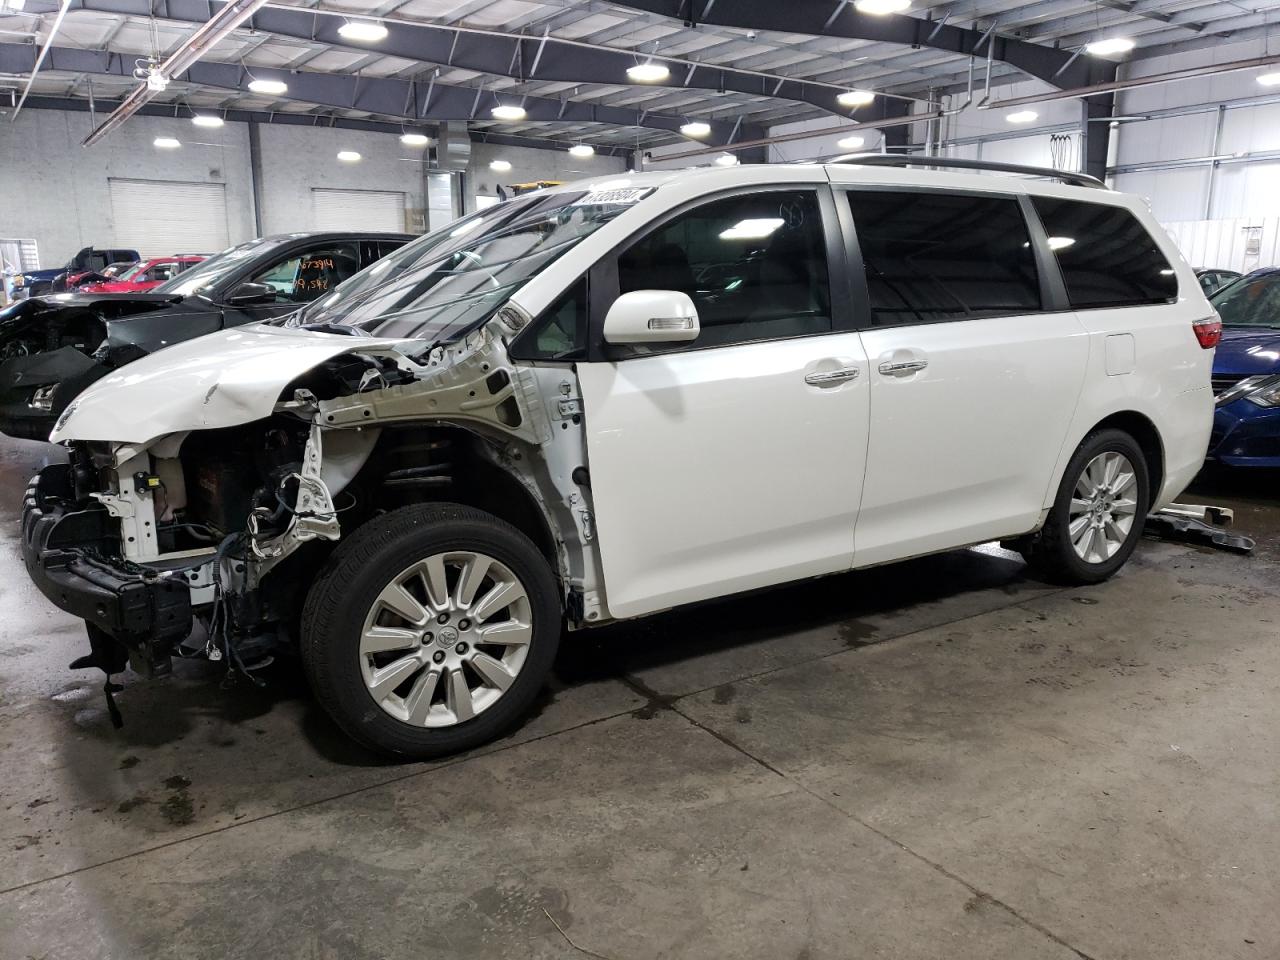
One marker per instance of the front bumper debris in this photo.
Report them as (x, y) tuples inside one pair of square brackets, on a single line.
[(144, 610)]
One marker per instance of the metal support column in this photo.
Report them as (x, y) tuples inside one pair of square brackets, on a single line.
[(255, 177), (1213, 167), (1095, 134)]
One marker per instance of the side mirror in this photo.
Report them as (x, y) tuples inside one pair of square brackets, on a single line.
[(651, 316), (248, 294)]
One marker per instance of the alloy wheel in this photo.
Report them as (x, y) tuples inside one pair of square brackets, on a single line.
[(445, 639), (1104, 507)]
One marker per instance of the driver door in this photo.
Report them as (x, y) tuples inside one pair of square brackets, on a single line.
[(734, 461)]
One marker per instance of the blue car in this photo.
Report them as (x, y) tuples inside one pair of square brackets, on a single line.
[(1246, 372)]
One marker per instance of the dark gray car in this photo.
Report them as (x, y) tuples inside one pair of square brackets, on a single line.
[(52, 347)]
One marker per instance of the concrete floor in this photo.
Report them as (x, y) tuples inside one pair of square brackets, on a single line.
[(937, 759)]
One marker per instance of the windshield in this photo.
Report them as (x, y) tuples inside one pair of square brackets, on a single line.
[(1249, 302), (130, 273), (206, 275), (447, 283)]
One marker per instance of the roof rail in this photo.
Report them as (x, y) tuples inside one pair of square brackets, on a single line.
[(901, 160)]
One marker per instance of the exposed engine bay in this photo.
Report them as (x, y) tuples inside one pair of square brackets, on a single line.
[(212, 536)]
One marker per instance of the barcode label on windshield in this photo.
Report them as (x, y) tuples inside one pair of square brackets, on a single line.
[(617, 195)]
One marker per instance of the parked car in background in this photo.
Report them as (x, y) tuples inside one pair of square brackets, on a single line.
[(145, 275), (33, 283), (553, 413), (1212, 280), (51, 348), (110, 272), (1246, 372)]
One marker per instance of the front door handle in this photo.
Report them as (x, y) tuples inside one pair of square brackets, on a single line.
[(820, 378), (902, 367)]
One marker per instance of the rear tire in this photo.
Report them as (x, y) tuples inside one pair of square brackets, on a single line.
[(1098, 514), (430, 630)]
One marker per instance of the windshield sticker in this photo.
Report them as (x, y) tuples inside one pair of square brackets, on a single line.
[(617, 195)]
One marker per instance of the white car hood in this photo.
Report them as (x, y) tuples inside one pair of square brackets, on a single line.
[(220, 380)]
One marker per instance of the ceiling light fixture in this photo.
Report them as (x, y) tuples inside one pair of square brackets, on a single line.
[(881, 8), (270, 87), (1109, 47), (855, 98), (414, 139), (508, 111), (348, 156), (362, 31), (1022, 116), (500, 166), (1270, 79), (1061, 243), (696, 128), (206, 120), (648, 72), (582, 150), (166, 143), (726, 160), (850, 143)]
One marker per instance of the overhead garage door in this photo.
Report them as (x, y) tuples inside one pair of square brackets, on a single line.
[(357, 209), (162, 217)]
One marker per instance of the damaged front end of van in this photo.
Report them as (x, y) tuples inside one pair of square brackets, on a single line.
[(196, 531), (206, 485)]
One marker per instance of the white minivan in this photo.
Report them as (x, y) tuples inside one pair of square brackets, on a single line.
[(619, 396)]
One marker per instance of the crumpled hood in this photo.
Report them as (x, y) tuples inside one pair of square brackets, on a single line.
[(220, 380), (1246, 351)]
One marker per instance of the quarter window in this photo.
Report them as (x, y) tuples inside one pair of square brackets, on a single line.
[(1107, 257), (755, 266), (560, 333), (932, 257)]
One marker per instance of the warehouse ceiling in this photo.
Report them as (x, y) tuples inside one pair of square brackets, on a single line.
[(740, 65)]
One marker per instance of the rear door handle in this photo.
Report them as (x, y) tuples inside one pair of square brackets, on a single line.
[(820, 378), (902, 367)]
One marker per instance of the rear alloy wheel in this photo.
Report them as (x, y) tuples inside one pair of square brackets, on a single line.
[(1103, 508), (1098, 514), (431, 630)]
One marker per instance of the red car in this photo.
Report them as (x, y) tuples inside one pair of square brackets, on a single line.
[(145, 275)]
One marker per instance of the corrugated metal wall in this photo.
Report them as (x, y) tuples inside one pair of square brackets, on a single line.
[(1243, 244)]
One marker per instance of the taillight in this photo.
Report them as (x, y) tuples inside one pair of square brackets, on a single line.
[(1208, 331)]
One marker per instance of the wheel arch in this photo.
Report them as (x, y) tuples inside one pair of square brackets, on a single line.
[(476, 479), (1147, 436), (1134, 422)]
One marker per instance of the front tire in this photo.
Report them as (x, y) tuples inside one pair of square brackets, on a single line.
[(1098, 514), (430, 630)]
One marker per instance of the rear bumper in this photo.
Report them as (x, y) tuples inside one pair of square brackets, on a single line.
[(1184, 432), (136, 606), (1246, 435)]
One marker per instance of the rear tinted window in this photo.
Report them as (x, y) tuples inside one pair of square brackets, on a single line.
[(931, 257), (1107, 257)]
